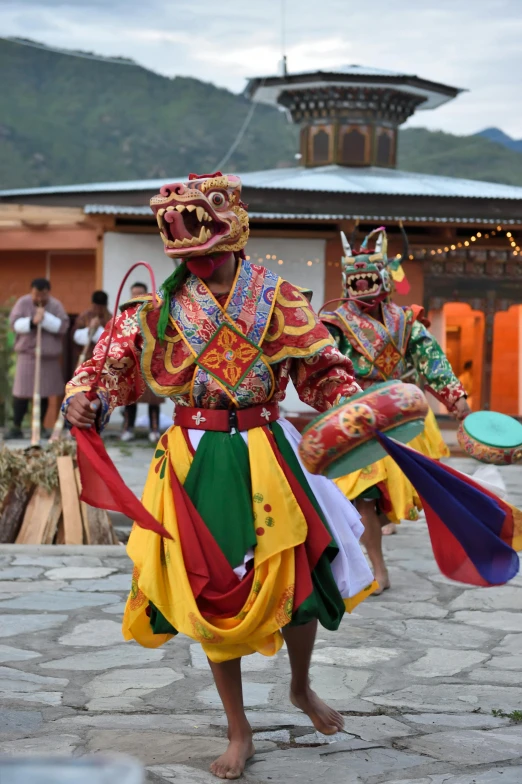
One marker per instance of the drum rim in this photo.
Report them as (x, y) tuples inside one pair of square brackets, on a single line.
[(484, 414), (374, 388)]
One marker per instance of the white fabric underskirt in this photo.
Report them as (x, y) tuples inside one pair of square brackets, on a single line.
[(350, 568)]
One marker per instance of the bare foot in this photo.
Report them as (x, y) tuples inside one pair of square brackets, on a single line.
[(384, 582), (232, 763), (389, 529), (325, 719)]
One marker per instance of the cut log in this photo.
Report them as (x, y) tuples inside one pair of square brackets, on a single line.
[(96, 522), (54, 518), (83, 507), (60, 532), (72, 516), (12, 512), (99, 525), (35, 517)]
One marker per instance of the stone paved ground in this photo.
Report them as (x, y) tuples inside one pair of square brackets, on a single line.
[(416, 672)]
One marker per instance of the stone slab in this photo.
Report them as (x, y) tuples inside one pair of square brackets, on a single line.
[(501, 619), (120, 690), (505, 663), (354, 657), (352, 767), (336, 685), (116, 582), (20, 572), (470, 747), (438, 634), (44, 746), (318, 739), (13, 625), (118, 655), (277, 736), (115, 609), (10, 654), (444, 698), (59, 601), (14, 588), (16, 721), (51, 698), (78, 573), (464, 721), (155, 748), (375, 728), (438, 662), (254, 663), (253, 694), (512, 643), (182, 774), (506, 597), (97, 634), (423, 610), (18, 680)]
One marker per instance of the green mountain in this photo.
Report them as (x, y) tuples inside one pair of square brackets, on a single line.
[(70, 119), (472, 157), (67, 119)]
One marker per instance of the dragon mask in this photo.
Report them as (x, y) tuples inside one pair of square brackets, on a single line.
[(369, 275), (202, 220)]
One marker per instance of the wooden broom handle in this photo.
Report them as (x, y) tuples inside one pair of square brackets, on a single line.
[(36, 422)]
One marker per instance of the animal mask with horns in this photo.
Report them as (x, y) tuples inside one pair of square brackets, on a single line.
[(369, 276)]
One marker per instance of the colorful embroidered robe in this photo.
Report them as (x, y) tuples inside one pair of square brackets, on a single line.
[(399, 347), (267, 333)]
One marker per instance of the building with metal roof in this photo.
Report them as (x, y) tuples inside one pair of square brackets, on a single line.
[(464, 234)]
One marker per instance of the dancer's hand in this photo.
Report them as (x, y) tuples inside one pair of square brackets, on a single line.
[(82, 412), (95, 323), (461, 409)]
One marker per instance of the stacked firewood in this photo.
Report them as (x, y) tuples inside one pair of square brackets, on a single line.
[(40, 499)]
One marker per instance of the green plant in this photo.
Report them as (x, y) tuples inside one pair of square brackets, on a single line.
[(515, 715), (7, 363)]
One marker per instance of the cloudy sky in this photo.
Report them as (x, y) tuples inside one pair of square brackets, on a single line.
[(474, 44)]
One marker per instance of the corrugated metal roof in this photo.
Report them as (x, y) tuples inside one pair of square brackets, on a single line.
[(373, 180), (321, 179), (113, 209)]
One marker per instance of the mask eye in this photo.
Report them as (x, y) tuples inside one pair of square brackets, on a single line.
[(217, 199)]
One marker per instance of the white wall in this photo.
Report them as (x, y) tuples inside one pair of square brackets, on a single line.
[(123, 250), (120, 252), (295, 255)]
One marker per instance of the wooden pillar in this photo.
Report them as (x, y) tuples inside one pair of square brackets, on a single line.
[(487, 368)]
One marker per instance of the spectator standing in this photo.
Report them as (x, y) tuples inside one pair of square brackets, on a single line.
[(89, 326), (37, 307)]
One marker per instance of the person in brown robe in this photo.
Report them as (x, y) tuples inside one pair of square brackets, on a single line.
[(154, 402), (89, 326), (37, 307)]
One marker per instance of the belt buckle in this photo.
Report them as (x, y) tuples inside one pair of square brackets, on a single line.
[(232, 419)]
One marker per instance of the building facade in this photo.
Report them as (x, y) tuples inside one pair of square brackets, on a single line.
[(464, 236)]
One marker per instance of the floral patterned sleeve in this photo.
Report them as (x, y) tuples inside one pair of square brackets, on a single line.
[(121, 382), (324, 378), (432, 363)]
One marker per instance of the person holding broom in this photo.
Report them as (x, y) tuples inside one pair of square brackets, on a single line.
[(33, 309)]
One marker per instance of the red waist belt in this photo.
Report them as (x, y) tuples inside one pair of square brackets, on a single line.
[(225, 420)]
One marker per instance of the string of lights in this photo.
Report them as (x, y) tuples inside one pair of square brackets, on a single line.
[(274, 257), (479, 236), (474, 241)]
